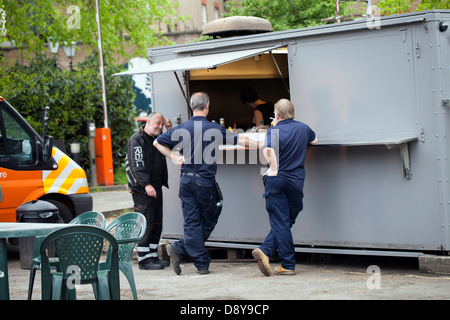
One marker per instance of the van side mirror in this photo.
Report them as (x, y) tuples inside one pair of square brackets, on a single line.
[(47, 149)]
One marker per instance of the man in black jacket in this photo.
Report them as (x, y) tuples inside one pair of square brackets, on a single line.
[(146, 170)]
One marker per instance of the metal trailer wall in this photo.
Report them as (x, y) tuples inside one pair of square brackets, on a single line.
[(367, 93)]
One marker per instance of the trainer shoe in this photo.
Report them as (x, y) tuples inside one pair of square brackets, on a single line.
[(175, 257), (282, 271), (263, 261)]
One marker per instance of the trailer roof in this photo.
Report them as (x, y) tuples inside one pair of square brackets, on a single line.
[(288, 35), (213, 53)]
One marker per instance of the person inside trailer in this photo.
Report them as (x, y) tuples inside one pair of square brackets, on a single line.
[(262, 110)]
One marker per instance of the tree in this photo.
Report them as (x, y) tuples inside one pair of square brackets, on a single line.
[(292, 14), (434, 4), (31, 23), (285, 14), (74, 99), (389, 7)]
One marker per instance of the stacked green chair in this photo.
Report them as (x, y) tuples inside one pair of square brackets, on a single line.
[(93, 218), (79, 248), (128, 229)]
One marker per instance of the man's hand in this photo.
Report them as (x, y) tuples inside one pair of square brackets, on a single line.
[(151, 192), (180, 160), (249, 143), (168, 124), (271, 172), (177, 159), (271, 158)]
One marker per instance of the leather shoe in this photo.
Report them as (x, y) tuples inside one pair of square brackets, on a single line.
[(175, 257), (263, 261), (282, 271), (203, 271), (164, 263)]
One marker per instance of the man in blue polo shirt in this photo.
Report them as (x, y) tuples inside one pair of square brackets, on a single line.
[(284, 150), (199, 140)]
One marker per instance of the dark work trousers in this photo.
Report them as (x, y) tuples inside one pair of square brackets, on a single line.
[(283, 203), (151, 208), (199, 198)]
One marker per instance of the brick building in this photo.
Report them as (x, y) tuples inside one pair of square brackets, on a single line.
[(198, 11)]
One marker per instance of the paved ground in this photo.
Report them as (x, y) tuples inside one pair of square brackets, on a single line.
[(319, 277), (111, 202)]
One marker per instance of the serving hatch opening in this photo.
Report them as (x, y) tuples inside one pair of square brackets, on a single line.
[(266, 72), (223, 75)]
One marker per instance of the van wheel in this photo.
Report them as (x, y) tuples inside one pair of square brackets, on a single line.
[(65, 215)]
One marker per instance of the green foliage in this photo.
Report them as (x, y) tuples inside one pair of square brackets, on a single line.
[(30, 23), (74, 99), (120, 175), (292, 14), (389, 7), (434, 4), (284, 14)]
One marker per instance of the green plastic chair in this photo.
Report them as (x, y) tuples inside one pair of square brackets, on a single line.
[(93, 218), (128, 229), (79, 248)]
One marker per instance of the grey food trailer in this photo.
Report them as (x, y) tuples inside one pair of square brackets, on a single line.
[(377, 96)]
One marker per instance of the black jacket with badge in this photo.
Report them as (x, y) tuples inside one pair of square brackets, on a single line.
[(140, 163)]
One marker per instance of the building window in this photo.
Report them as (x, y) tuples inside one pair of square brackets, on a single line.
[(216, 11), (204, 16)]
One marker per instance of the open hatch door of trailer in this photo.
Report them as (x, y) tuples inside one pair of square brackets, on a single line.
[(195, 60)]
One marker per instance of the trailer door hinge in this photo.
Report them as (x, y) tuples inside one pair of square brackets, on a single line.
[(417, 50), (445, 103)]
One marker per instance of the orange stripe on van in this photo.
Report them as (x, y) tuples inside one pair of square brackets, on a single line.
[(70, 180), (50, 179), (83, 190)]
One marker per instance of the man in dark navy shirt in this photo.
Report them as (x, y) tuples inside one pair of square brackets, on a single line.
[(198, 140), (284, 150)]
